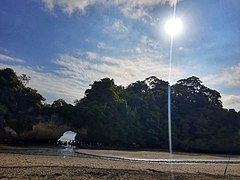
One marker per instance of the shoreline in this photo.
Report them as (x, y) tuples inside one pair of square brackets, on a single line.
[(25, 166), (21, 166), (159, 157), (61, 166)]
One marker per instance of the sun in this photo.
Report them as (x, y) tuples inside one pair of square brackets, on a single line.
[(173, 26)]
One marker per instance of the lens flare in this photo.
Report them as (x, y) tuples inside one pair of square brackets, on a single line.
[(173, 26)]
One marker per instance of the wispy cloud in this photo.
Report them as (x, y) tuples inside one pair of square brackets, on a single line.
[(69, 6), (145, 40), (6, 58), (134, 12), (231, 101), (136, 9), (52, 86), (91, 55), (124, 70), (229, 77), (130, 8), (102, 45), (119, 27), (74, 72), (4, 49), (116, 29)]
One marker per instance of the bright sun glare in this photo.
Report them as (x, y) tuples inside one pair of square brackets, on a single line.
[(173, 26)]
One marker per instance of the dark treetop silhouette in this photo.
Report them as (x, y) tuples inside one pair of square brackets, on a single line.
[(111, 115)]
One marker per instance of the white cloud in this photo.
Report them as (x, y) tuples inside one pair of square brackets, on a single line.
[(74, 72), (231, 101), (138, 50), (134, 12), (119, 27), (102, 45), (50, 85), (91, 55), (229, 77), (131, 8), (10, 59), (3, 49), (145, 40), (69, 6), (116, 29), (123, 70), (136, 9)]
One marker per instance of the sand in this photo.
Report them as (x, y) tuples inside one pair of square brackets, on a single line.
[(157, 155), (24, 166)]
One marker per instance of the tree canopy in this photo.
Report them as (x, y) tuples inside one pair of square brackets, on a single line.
[(132, 116)]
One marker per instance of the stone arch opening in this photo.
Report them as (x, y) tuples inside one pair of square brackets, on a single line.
[(68, 138)]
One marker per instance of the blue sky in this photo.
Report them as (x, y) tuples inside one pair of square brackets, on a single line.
[(65, 45)]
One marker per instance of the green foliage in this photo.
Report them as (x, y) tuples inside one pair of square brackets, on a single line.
[(105, 112), (18, 104), (135, 116)]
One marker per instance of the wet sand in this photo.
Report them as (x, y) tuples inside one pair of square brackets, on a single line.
[(25, 166), (158, 155)]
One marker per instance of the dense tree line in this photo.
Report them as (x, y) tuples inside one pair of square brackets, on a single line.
[(132, 116)]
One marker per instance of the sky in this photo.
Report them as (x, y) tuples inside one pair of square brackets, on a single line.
[(68, 136), (66, 45)]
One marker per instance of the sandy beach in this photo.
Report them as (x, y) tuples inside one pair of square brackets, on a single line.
[(30, 166)]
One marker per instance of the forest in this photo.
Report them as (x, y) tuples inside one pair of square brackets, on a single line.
[(111, 115)]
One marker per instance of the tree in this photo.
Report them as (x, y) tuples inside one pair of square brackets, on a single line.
[(19, 104), (105, 112), (137, 115), (59, 103), (24, 79)]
